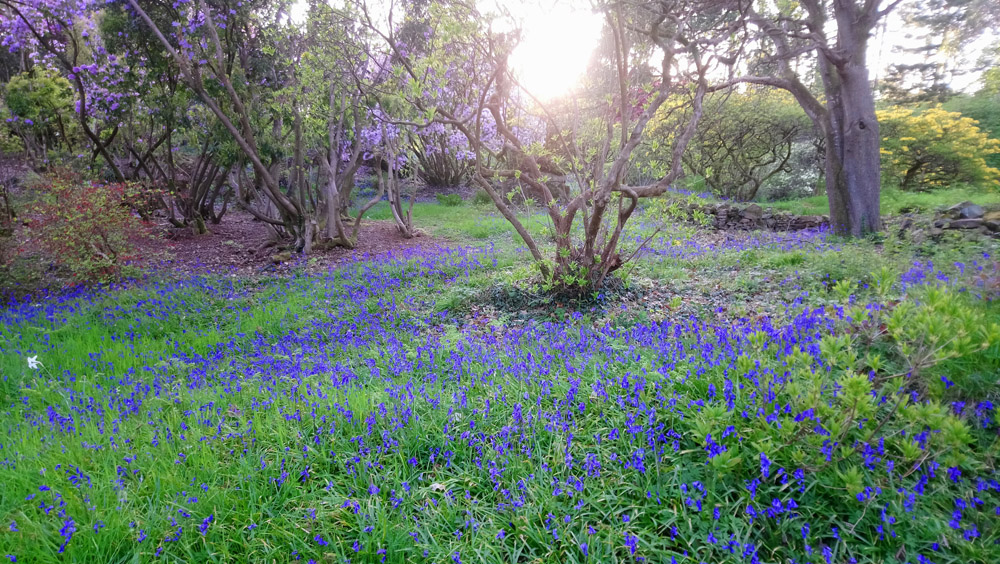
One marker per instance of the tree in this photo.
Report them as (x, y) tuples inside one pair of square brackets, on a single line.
[(934, 148), (208, 64), (836, 32), (294, 99), (984, 107), (946, 31), (40, 104), (61, 33), (464, 83), (743, 140)]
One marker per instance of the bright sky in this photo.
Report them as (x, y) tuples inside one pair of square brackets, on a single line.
[(883, 51), (557, 42), (559, 36)]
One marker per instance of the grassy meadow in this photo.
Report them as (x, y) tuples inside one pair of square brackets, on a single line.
[(757, 397)]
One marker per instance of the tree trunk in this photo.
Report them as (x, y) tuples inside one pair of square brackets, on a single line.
[(853, 166)]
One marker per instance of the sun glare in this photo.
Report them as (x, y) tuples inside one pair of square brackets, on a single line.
[(556, 45)]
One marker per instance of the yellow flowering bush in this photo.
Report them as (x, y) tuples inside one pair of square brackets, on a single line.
[(934, 148)]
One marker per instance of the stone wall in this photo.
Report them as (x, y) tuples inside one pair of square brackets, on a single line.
[(968, 216), (965, 216), (729, 217)]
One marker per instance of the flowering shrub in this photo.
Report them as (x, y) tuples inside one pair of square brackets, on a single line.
[(935, 148), (87, 228), (743, 141)]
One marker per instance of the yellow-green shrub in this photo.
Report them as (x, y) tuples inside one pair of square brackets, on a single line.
[(934, 148)]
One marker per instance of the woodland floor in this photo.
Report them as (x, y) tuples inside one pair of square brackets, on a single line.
[(237, 246)]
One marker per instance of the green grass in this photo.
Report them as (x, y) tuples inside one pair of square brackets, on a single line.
[(465, 222), (395, 407)]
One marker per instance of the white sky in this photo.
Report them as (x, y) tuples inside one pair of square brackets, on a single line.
[(560, 35), (883, 51), (557, 41)]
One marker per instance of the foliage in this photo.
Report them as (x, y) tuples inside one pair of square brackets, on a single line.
[(39, 97), (934, 148), (449, 200), (984, 107), (744, 140), (40, 102), (991, 81), (9, 141), (89, 229)]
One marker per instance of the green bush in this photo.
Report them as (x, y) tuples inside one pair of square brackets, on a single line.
[(935, 148), (449, 200), (984, 107), (742, 141), (482, 198), (40, 106)]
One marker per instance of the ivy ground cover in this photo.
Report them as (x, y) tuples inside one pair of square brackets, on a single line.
[(350, 417)]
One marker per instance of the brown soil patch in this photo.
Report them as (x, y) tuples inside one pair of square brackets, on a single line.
[(236, 246)]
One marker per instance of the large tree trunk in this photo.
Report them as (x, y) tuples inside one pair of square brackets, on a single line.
[(853, 166), (854, 172), (846, 118)]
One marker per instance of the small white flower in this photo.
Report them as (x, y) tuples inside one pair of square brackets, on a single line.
[(33, 362)]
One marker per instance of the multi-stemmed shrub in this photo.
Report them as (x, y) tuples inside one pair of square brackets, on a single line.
[(90, 230)]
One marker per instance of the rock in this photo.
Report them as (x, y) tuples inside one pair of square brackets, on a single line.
[(992, 225), (965, 210), (935, 231), (753, 212), (281, 257), (965, 224), (939, 223), (971, 212), (952, 211), (992, 216)]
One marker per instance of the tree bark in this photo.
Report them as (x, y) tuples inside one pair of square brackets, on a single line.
[(853, 166)]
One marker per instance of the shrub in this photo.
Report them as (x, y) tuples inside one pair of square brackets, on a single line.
[(442, 159), (935, 148), (984, 107), (88, 229), (449, 200), (40, 107), (482, 198), (9, 143), (741, 143)]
